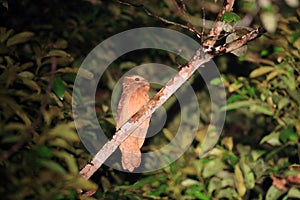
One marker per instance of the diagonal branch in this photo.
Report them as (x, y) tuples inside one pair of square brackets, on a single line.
[(200, 57)]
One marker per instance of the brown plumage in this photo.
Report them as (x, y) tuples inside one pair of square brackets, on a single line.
[(134, 96)]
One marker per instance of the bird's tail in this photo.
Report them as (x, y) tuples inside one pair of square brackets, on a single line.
[(131, 159)]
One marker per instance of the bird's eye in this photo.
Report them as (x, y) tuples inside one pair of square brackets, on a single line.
[(136, 79)]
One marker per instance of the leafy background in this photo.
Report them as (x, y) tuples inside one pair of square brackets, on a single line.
[(257, 156)]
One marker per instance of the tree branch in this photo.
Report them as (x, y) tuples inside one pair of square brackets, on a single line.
[(200, 57)]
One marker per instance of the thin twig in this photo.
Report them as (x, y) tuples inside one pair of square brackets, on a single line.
[(203, 21), (151, 14), (183, 9), (218, 25), (16, 147)]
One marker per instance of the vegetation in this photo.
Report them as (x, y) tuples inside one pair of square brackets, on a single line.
[(257, 156)]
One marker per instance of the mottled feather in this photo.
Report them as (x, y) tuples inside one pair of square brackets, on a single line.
[(134, 96)]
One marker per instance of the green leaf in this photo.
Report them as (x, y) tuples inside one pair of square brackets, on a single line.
[(269, 20), (31, 84), (288, 134), (60, 44), (142, 182), (248, 175), (264, 52), (195, 192), (58, 53), (273, 193), (283, 102), (277, 49), (256, 154), (13, 105), (212, 167), (26, 74), (272, 139), (69, 77), (19, 38), (9, 138), (69, 160), (230, 17), (228, 142), (261, 71), (243, 150), (214, 184), (4, 34), (293, 193), (228, 180), (227, 193), (294, 37), (168, 134), (263, 109), (54, 166), (290, 82), (189, 182), (158, 191), (64, 131), (127, 65), (75, 181), (105, 183), (59, 87), (242, 58), (234, 98), (237, 105), (231, 158), (239, 180), (216, 81), (60, 143), (44, 151)]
